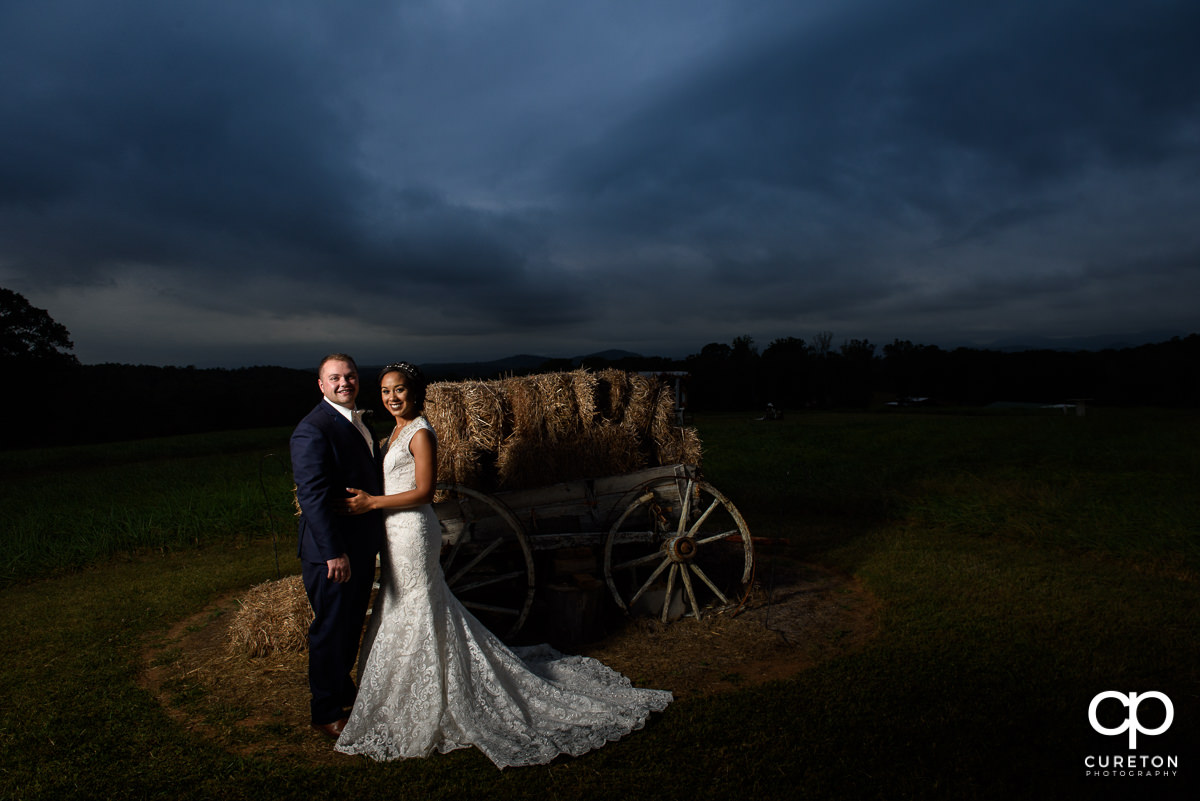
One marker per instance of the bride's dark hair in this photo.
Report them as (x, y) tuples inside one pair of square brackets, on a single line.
[(414, 381)]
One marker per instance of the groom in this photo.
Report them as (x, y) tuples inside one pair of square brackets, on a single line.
[(333, 449)]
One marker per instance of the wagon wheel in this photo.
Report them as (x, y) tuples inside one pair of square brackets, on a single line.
[(680, 543), (486, 558)]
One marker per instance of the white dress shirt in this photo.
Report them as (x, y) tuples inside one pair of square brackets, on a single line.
[(355, 418)]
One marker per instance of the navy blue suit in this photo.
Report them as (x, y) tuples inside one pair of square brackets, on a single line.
[(328, 455)]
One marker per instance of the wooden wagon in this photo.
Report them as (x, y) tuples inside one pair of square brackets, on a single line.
[(664, 540)]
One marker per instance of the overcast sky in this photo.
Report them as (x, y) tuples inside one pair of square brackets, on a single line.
[(230, 182)]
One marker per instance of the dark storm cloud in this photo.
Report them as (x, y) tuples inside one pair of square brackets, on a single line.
[(538, 175), (165, 134), (864, 149), (910, 103), (1044, 91)]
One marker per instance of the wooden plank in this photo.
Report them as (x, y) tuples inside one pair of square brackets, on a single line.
[(578, 497), (554, 542), (568, 493), (562, 514), (550, 542), (627, 482)]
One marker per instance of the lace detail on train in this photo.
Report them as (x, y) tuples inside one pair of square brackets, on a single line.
[(433, 678)]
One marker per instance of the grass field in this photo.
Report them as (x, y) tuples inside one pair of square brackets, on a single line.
[(1023, 563)]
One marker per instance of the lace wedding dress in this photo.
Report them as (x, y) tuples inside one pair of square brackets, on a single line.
[(432, 677)]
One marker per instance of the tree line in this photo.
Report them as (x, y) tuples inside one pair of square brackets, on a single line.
[(794, 374), (52, 399)]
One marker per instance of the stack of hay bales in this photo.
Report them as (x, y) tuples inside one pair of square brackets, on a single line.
[(530, 431)]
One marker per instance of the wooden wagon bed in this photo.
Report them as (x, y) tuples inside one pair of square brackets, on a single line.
[(665, 541)]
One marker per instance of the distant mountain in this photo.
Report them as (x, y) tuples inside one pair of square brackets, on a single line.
[(515, 364), (1099, 342), (607, 355)]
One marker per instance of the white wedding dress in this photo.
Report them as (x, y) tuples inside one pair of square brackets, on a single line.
[(433, 678)]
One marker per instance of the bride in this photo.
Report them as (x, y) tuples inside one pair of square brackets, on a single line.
[(432, 677)]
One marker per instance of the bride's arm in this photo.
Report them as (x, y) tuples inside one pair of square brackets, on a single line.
[(423, 447)]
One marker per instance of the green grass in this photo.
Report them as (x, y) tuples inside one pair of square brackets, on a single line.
[(67, 507), (1022, 563)]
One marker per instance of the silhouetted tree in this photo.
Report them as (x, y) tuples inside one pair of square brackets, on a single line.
[(915, 371), (855, 378), (785, 365), (711, 387), (822, 344), (858, 350), (823, 371), (744, 372), (29, 334), (34, 350)]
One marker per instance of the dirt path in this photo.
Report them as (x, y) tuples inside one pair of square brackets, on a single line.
[(798, 616)]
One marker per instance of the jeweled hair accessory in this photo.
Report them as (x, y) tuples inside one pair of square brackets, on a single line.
[(410, 370)]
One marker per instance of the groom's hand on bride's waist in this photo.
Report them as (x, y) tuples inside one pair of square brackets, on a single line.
[(357, 502)]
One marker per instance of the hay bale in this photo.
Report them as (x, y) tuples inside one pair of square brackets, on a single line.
[(560, 408), (273, 616), (521, 403), (522, 464), (609, 450), (586, 386), (664, 430), (673, 443), (642, 405), (677, 445), (486, 417), (449, 412), (612, 394), (601, 451)]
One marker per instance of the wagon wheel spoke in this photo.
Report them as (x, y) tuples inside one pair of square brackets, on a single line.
[(493, 575), (483, 554), (666, 607), (475, 585), (686, 574), (687, 507), (653, 577), (449, 555), (700, 522), (720, 535), (480, 556), (641, 560), (463, 520), (704, 577), (709, 552)]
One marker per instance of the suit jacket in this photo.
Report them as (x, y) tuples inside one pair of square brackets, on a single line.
[(328, 455)]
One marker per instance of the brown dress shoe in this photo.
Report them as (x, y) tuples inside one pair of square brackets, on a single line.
[(333, 730)]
